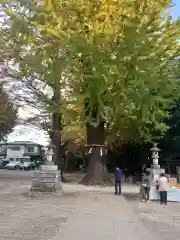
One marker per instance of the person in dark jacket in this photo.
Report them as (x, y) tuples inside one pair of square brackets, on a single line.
[(118, 174)]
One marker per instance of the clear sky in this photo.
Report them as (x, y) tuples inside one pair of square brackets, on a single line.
[(176, 9)]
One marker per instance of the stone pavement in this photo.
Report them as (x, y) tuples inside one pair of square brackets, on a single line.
[(163, 220), (82, 213), (126, 188), (99, 215)]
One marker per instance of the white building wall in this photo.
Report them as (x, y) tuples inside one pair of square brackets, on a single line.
[(14, 154), (36, 149)]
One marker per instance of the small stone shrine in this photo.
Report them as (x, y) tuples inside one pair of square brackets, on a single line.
[(48, 178)]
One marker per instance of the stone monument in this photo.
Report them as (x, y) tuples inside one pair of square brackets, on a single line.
[(48, 178), (154, 171)]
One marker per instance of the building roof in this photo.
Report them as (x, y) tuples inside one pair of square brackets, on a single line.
[(20, 143), (50, 146)]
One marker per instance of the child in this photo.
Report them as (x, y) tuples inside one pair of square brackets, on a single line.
[(145, 189)]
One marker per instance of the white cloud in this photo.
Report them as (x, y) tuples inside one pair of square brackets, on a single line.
[(25, 133)]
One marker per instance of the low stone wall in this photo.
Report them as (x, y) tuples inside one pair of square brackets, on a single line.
[(173, 194)]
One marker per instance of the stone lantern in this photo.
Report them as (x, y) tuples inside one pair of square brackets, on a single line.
[(155, 155), (48, 177), (155, 172), (49, 154)]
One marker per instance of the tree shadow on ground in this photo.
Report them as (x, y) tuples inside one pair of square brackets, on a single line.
[(132, 196)]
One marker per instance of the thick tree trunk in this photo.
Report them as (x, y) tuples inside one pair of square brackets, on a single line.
[(97, 170), (56, 141), (56, 132)]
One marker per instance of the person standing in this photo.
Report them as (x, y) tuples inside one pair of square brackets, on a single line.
[(134, 177), (126, 175), (145, 188), (163, 187), (37, 164), (118, 175)]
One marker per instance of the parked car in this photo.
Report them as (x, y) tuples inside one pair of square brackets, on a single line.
[(13, 165), (27, 165), (33, 165), (3, 163)]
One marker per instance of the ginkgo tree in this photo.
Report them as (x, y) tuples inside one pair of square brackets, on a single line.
[(115, 57)]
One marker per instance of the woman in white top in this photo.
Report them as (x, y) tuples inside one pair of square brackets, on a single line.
[(163, 187)]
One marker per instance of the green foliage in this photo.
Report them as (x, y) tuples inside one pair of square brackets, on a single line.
[(113, 58), (8, 114), (171, 140)]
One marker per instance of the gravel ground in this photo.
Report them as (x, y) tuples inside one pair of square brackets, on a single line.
[(26, 218), (162, 220), (23, 218)]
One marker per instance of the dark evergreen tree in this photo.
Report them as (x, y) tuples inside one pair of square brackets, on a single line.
[(8, 114)]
